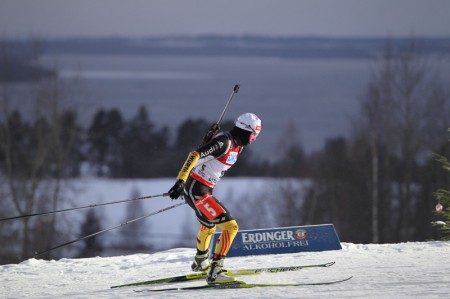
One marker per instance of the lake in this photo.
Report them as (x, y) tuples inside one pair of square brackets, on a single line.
[(301, 100)]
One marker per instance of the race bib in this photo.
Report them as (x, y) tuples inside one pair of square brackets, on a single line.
[(209, 207), (232, 158)]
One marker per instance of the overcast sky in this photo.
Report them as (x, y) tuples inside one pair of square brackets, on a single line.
[(68, 18)]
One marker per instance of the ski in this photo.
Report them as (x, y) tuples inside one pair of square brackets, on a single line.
[(239, 272), (244, 285)]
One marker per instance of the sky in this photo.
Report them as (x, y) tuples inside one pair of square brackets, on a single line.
[(146, 18)]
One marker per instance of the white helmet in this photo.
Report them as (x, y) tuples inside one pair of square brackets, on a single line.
[(249, 122)]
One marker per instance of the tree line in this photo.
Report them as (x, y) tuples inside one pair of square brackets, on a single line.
[(111, 147)]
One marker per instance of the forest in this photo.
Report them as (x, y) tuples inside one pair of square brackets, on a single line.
[(375, 186)]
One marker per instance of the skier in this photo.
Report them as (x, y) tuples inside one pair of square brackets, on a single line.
[(197, 179)]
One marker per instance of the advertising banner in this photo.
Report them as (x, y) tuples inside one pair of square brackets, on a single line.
[(283, 240)]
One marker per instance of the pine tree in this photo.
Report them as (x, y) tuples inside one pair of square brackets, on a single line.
[(443, 205), (91, 225), (104, 142)]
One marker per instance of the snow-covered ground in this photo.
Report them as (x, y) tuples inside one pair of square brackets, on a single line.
[(406, 270)]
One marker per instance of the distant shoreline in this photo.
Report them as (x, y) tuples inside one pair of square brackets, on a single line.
[(244, 46)]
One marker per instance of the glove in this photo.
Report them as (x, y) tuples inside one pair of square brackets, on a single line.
[(177, 190)]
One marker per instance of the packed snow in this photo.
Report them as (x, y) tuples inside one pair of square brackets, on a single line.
[(406, 270)]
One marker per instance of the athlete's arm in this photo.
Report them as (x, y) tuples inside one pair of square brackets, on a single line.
[(216, 148)]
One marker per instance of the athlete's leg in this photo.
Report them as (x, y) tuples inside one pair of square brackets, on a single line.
[(229, 231), (204, 238), (201, 261), (215, 273), (210, 212)]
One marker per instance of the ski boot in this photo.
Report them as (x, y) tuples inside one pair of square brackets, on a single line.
[(217, 275), (201, 263)]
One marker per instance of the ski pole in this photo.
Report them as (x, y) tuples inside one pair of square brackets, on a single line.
[(36, 254), (86, 207), (215, 126)]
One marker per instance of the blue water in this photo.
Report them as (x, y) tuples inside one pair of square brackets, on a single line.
[(303, 101)]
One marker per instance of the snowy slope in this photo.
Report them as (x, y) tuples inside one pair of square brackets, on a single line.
[(407, 270)]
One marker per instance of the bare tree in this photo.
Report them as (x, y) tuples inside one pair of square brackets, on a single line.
[(35, 159), (377, 108), (404, 105)]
